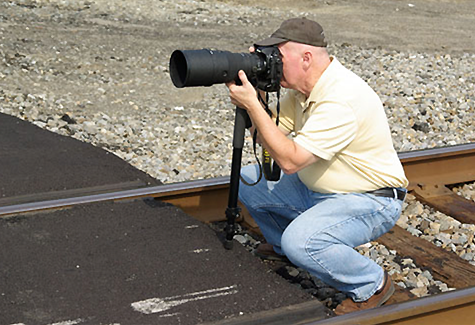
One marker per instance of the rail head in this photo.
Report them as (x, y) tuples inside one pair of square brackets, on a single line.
[(414, 162), (418, 311), (437, 153), (160, 191)]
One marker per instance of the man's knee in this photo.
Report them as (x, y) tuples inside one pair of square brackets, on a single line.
[(249, 174), (293, 244), (297, 244)]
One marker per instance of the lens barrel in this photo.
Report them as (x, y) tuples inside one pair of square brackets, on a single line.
[(190, 68)]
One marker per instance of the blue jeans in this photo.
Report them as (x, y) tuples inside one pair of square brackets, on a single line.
[(318, 232)]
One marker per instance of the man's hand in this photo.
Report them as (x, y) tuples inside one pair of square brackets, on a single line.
[(244, 96)]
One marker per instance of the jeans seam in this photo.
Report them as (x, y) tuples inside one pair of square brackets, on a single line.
[(275, 205), (372, 292), (316, 260), (271, 215), (352, 218), (275, 222)]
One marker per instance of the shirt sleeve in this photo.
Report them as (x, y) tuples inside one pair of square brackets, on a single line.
[(330, 127)]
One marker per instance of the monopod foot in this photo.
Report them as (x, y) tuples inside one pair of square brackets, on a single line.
[(228, 244)]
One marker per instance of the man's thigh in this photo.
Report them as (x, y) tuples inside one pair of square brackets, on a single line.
[(287, 193), (350, 219)]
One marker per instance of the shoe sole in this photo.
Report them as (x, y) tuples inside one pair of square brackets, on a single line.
[(388, 295)]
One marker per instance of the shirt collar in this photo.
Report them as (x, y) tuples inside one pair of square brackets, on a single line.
[(319, 86)]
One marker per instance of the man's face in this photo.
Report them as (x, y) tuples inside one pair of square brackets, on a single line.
[(291, 61)]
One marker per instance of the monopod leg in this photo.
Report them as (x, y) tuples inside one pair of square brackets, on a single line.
[(233, 211)]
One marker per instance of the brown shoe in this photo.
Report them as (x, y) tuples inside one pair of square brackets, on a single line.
[(378, 299), (266, 252)]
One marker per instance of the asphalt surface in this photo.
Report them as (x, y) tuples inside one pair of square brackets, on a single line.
[(33, 160), (132, 262)]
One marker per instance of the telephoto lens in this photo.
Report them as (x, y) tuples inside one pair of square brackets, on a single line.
[(207, 67), (192, 68)]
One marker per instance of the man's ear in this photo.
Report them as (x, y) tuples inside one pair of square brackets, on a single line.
[(307, 59)]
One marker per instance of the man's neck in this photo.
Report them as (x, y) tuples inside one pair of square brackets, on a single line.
[(314, 76)]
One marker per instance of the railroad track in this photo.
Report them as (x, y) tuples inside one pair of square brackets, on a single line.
[(430, 173)]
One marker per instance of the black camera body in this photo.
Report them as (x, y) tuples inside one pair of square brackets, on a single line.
[(191, 68)]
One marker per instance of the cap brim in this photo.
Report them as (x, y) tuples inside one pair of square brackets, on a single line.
[(270, 41)]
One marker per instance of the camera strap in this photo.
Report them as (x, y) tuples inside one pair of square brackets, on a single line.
[(254, 142), (269, 167)]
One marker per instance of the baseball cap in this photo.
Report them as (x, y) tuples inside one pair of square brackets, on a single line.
[(300, 30)]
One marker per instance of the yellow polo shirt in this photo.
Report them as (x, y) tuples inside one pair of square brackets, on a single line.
[(343, 122)]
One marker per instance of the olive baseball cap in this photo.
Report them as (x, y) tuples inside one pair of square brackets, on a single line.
[(300, 30)]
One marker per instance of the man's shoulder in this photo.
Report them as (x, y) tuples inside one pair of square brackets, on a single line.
[(341, 81), (340, 72)]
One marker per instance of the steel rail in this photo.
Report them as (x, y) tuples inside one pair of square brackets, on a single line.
[(453, 307), (439, 152), (453, 164), (175, 189), (447, 165)]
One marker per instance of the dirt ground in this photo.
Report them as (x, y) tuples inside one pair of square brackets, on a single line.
[(425, 25), (74, 46)]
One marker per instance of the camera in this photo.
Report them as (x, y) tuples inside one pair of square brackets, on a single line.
[(263, 67)]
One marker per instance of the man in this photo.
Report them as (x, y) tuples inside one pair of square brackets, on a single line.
[(343, 184)]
